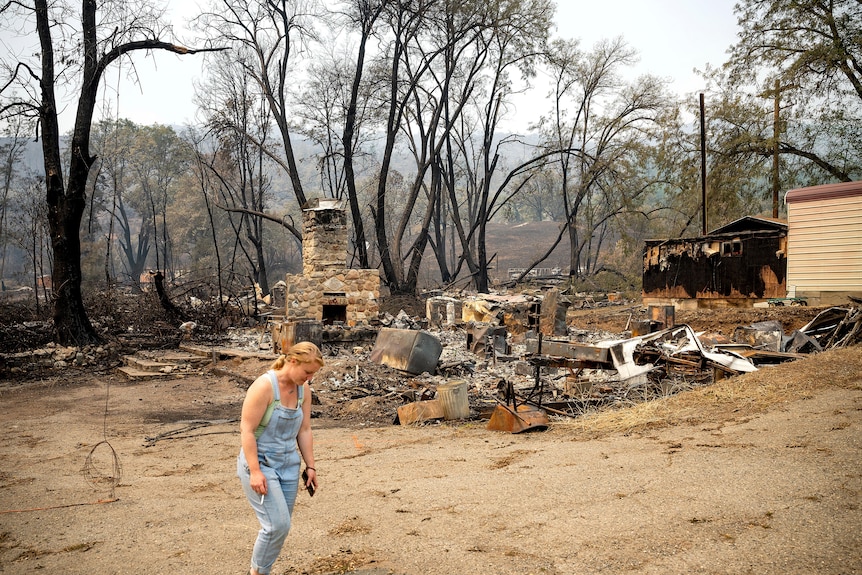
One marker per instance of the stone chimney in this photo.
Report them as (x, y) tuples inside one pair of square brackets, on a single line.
[(324, 237), (327, 291)]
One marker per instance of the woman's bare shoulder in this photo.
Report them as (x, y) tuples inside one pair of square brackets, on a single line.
[(261, 387)]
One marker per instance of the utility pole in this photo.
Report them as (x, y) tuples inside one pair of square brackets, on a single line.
[(703, 161), (775, 133)]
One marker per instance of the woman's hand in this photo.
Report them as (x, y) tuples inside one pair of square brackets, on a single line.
[(257, 480), (312, 478)]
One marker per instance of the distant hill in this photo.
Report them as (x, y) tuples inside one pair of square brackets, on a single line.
[(511, 246), (517, 246)]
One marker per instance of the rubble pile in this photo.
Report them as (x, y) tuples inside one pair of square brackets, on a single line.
[(54, 357), (570, 375), (351, 387), (835, 327), (24, 335), (509, 352)]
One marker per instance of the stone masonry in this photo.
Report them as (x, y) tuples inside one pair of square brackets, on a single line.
[(327, 291)]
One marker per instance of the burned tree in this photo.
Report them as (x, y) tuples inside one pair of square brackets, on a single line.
[(72, 56)]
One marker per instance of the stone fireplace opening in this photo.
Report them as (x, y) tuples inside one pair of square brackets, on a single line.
[(334, 314), (328, 291), (334, 308)]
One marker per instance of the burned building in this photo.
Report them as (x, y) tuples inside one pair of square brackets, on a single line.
[(328, 291), (739, 264)]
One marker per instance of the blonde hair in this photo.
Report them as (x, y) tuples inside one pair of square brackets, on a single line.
[(302, 352)]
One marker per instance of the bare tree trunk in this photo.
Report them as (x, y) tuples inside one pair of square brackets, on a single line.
[(175, 314), (367, 16), (67, 200), (66, 208)]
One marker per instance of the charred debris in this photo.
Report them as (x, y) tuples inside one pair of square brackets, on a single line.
[(514, 362), (565, 371)]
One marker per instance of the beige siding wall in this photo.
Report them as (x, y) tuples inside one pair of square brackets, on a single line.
[(825, 247)]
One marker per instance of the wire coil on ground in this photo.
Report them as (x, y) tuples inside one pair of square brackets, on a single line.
[(102, 467)]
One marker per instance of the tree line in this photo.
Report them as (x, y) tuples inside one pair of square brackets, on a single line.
[(405, 103)]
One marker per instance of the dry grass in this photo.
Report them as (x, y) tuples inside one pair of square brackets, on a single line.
[(729, 399), (346, 561)]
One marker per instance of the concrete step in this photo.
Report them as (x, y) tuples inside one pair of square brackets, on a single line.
[(141, 375), (220, 352), (144, 364), (182, 358)]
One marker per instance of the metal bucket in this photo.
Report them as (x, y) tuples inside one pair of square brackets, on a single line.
[(453, 396)]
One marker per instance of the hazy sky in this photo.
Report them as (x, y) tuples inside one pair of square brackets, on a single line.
[(672, 37)]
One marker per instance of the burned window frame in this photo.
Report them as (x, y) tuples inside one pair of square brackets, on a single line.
[(732, 248)]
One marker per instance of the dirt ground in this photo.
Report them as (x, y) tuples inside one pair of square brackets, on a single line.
[(757, 474)]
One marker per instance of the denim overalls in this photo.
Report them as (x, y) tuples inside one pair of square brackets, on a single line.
[(279, 461)]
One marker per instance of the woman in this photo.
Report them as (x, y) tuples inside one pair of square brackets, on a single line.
[(276, 420)]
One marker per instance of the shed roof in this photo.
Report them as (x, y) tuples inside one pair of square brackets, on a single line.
[(751, 224), (748, 226), (824, 192)]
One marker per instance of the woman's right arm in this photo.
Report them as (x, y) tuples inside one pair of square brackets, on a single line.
[(257, 398)]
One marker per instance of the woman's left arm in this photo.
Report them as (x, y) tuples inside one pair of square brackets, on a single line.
[(305, 439)]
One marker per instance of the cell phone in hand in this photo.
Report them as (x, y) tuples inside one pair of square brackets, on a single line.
[(308, 486)]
